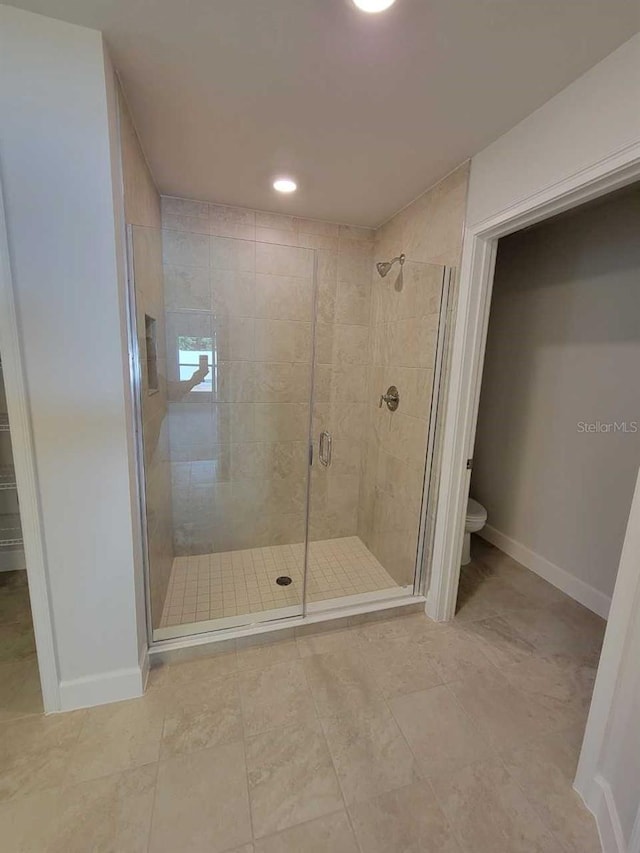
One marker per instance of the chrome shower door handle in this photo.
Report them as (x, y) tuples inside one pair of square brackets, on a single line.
[(325, 448)]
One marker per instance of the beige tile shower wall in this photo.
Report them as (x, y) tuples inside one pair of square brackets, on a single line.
[(142, 209), (404, 326), (430, 228), (340, 394), (244, 278)]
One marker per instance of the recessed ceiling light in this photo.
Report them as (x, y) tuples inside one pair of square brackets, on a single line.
[(373, 5), (285, 185)]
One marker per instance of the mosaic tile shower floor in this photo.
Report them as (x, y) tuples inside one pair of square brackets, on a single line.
[(216, 586)]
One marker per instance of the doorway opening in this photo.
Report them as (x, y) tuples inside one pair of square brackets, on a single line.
[(477, 278), (557, 443)]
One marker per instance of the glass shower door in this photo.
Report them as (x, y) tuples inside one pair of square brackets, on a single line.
[(379, 347), (225, 339), (246, 354)]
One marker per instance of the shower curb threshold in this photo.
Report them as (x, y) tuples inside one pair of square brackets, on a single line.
[(192, 645)]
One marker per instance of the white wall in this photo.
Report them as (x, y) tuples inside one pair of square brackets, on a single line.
[(117, 133), (563, 348), (57, 172), (620, 760), (594, 119), (609, 770), (590, 128)]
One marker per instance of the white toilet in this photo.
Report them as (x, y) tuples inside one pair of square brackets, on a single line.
[(476, 520)]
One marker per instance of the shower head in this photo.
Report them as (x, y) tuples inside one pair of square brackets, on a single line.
[(384, 266)]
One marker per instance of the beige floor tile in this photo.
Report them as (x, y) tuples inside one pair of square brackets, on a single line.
[(212, 665), (573, 739), (109, 814), (340, 682), (399, 666), (503, 714), (489, 562), (454, 654), (499, 641), (413, 627), (159, 676), (20, 693), (559, 631), (291, 778), (587, 628), (497, 561), (329, 642), (25, 823), (563, 689), (17, 641), (441, 735), (201, 715), (490, 813), (330, 834), (478, 593), (545, 769), (408, 820), (35, 752), (275, 697), (501, 595), (202, 802), (266, 654), (419, 627), (581, 618), (534, 588), (512, 679), (14, 605), (369, 752), (537, 625), (117, 737), (472, 603)]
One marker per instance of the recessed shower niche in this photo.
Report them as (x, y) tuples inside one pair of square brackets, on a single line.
[(273, 358), (151, 353)]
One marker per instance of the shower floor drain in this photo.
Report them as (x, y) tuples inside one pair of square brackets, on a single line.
[(283, 580)]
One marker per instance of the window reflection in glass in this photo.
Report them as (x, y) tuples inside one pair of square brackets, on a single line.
[(197, 363)]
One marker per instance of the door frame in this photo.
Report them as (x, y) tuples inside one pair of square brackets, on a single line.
[(469, 340), (26, 476), (470, 334)]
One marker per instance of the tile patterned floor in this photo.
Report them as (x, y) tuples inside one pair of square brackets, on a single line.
[(20, 694), (214, 586), (383, 737)]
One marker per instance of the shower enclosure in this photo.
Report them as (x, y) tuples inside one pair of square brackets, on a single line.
[(277, 477)]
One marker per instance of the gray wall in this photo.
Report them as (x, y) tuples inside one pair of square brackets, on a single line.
[(564, 347)]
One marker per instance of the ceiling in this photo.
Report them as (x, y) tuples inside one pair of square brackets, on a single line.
[(366, 111)]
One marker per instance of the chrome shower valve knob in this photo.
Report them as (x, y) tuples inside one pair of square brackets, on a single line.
[(391, 398)]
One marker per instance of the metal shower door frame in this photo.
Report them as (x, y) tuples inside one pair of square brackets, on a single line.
[(431, 477)]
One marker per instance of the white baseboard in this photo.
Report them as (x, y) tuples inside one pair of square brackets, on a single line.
[(601, 804), (104, 688), (577, 589)]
